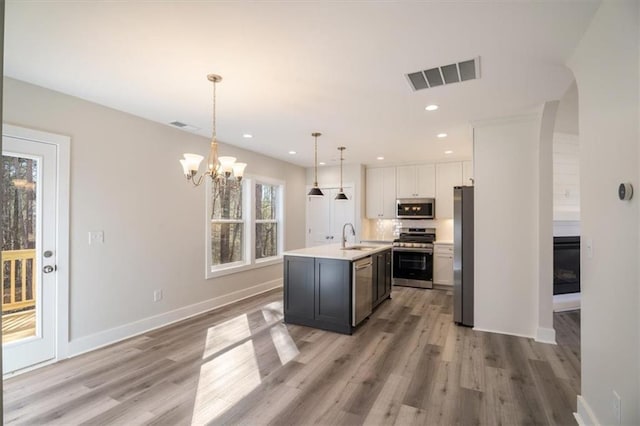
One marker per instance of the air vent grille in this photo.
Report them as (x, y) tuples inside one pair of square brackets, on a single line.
[(446, 74), (184, 126)]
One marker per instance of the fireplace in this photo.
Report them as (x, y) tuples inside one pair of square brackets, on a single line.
[(566, 265)]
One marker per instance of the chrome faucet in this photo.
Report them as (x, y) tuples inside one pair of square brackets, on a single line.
[(344, 237)]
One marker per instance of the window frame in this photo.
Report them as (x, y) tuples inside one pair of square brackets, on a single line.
[(279, 221), (249, 229)]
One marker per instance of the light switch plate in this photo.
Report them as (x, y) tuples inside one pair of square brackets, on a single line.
[(96, 237)]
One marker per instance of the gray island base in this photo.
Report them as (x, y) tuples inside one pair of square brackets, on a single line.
[(328, 287)]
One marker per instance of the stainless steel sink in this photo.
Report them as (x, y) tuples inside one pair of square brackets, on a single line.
[(360, 248)]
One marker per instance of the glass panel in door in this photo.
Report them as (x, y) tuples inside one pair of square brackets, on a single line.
[(19, 283)]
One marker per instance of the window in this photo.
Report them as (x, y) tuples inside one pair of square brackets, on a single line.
[(227, 224), (244, 225), (266, 204)]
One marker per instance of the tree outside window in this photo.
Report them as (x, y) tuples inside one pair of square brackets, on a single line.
[(266, 206), (227, 223)]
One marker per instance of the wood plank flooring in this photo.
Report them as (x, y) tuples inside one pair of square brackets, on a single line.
[(408, 364)]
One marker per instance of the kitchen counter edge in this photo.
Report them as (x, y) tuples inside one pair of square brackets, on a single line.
[(334, 251)]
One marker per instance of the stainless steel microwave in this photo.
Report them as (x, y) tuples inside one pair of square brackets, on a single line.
[(416, 208)]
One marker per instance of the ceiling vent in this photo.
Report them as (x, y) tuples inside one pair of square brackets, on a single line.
[(446, 74), (184, 126)]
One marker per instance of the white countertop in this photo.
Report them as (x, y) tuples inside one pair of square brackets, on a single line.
[(444, 242), (333, 251)]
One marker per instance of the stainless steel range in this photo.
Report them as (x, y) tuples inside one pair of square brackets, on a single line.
[(413, 257)]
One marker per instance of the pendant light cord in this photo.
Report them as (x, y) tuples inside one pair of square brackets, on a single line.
[(315, 161)]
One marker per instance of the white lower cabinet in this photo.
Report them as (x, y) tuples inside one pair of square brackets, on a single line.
[(443, 264)]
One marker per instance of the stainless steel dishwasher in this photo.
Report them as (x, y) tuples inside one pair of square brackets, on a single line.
[(361, 289)]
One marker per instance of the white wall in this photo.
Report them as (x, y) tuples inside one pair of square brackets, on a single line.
[(566, 177), (126, 181), (609, 154), (506, 225)]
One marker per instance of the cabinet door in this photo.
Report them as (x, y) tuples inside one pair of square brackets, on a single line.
[(443, 269), (332, 291), (374, 281), (448, 175), (375, 193), (388, 271), (389, 193), (406, 182), (426, 181), (381, 273), (299, 280), (467, 173)]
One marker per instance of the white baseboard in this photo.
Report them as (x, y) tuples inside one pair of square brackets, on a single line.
[(546, 335), (487, 330), (585, 416), (566, 302), (116, 334)]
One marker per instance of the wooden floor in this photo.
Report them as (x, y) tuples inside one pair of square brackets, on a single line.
[(18, 325), (408, 364)]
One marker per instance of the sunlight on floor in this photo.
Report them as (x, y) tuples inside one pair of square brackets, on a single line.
[(230, 368)]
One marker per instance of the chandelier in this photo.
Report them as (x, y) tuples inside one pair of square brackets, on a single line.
[(218, 168)]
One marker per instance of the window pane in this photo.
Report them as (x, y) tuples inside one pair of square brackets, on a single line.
[(266, 202), (227, 200), (226, 243), (266, 240)]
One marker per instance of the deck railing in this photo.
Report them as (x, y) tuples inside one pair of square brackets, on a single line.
[(18, 279)]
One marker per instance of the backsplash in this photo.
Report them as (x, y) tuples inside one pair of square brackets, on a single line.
[(389, 229)]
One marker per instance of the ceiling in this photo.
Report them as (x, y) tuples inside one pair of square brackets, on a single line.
[(290, 68)]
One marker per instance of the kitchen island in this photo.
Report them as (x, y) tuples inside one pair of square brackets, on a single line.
[(334, 289)]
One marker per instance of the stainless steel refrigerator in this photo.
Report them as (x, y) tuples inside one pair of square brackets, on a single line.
[(463, 255)]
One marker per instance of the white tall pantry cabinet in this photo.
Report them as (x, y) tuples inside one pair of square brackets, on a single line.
[(448, 175), (381, 193)]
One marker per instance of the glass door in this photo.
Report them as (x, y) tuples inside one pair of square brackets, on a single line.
[(28, 260)]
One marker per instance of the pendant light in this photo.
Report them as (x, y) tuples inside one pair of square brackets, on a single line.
[(341, 195), (315, 191)]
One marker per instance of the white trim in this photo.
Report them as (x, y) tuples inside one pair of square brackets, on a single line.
[(546, 335), (63, 152), (584, 415), (486, 330), (566, 302), (243, 267), (116, 334)]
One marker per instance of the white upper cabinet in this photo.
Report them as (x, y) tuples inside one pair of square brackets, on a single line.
[(381, 193), (448, 175), (416, 181), (467, 173)]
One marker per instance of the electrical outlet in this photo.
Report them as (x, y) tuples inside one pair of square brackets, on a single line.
[(157, 295), (589, 247), (96, 237), (617, 407)]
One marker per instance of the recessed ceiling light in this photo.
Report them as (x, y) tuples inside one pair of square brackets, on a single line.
[(380, 158), (292, 152), (442, 135), (448, 152), (431, 107), (247, 135), (322, 163)]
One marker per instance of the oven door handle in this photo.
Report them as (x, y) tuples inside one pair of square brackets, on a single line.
[(414, 250)]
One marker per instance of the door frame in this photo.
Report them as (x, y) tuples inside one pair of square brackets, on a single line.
[(63, 160)]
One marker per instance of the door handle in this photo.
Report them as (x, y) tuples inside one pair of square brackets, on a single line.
[(48, 269)]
